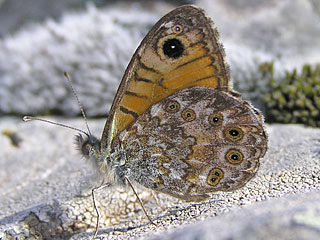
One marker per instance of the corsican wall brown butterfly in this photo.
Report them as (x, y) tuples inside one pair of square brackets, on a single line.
[(175, 125)]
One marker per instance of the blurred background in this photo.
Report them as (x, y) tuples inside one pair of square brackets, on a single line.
[(268, 43), (272, 47), (17, 13)]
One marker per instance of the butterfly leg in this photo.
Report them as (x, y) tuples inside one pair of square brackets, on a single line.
[(103, 185), (156, 199), (144, 210)]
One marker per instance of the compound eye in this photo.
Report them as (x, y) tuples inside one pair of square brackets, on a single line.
[(85, 148)]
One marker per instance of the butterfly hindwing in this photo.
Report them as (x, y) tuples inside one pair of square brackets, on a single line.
[(196, 141)]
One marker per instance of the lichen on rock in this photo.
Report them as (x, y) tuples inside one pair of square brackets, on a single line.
[(295, 98)]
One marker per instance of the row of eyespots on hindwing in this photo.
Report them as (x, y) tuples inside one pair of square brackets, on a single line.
[(232, 133)]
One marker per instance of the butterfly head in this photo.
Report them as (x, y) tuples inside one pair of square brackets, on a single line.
[(89, 147)]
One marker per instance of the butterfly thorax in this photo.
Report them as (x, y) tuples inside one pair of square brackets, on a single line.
[(116, 165), (108, 164)]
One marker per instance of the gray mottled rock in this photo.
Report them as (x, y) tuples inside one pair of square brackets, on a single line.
[(13, 16), (45, 192), (95, 46), (289, 217)]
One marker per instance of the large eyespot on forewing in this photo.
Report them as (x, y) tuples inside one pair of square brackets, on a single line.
[(173, 48)]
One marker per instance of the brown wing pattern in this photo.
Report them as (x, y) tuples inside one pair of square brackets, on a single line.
[(197, 141), (180, 51)]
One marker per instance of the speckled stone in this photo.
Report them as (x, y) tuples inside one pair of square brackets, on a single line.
[(46, 187)]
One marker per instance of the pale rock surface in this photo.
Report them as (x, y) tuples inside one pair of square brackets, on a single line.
[(45, 192)]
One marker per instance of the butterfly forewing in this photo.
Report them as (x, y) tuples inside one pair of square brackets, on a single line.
[(180, 51)]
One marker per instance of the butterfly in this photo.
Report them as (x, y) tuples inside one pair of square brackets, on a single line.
[(175, 125)]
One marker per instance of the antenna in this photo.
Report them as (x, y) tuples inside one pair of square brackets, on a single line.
[(76, 96), (29, 118)]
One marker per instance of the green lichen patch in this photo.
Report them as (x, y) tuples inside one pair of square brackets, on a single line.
[(295, 98)]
